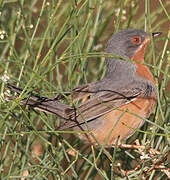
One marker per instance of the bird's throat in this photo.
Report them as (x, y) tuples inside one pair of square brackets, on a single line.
[(140, 52), (142, 69)]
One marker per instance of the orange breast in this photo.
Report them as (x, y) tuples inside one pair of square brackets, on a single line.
[(120, 124), (143, 71)]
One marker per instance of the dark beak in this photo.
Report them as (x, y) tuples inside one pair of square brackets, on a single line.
[(155, 34)]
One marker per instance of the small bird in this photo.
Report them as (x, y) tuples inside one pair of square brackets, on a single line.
[(110, 110)]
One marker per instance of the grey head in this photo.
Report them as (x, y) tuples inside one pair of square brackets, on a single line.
[(124, 43)]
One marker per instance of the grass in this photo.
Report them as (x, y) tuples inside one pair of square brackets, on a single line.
[(50, 47)]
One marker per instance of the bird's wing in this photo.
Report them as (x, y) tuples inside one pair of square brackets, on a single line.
[(94, 104), (102, 102)]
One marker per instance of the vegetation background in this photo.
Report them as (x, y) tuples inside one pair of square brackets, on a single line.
[(52, 46)]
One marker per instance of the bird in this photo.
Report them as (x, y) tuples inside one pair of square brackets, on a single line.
[(110, 110)]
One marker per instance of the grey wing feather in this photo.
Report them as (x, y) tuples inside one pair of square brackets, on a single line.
[(105, 100), (102, 100), (98, 106)]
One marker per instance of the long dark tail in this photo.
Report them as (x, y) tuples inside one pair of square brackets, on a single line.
[(50, 105)]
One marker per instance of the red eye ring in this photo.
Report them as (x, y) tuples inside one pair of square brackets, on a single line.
[(136, 40)]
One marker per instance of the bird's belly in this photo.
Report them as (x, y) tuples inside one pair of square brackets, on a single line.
[(121, 123)]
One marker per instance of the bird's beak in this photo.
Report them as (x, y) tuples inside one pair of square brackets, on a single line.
[(155, 34)]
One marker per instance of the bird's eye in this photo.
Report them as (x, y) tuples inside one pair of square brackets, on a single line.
[(136, 40)]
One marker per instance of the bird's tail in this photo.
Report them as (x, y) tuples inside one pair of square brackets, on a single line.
[(49, 105)]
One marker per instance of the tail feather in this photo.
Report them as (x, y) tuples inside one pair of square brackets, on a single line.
[(50, 105)]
